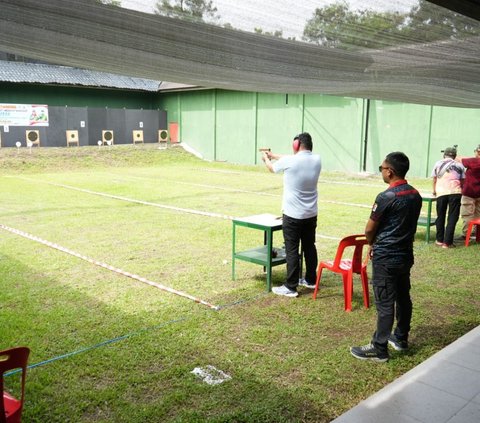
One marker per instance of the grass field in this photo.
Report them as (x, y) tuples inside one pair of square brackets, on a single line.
[(108, 348)]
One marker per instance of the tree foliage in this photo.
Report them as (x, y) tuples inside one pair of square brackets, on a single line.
[(277, 33), (336, 25), (428, 22), (196, 10), (111, 2)]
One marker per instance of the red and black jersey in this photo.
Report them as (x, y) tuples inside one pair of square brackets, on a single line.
[(396, 210)]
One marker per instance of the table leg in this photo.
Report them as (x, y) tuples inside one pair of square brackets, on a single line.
[(265, 242), (429, 219), (269, 242), (233, 252)]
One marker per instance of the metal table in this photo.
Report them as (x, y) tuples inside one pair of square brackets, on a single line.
[(262, 255), (427, 220)]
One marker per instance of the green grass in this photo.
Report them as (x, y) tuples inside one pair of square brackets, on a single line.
[(289, 359)]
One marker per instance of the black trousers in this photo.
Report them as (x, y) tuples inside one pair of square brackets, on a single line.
[(452, 203), (294, 231), (391, 287)]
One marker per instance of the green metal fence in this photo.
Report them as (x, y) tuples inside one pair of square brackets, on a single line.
[(350, 134)]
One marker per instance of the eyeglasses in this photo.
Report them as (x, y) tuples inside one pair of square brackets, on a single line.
[(380, 168)]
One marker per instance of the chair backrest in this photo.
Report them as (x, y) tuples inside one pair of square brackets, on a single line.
[(357, 241), (13, 358)]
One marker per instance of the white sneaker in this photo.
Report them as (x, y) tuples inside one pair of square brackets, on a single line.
[(303, 282), (283, 290)]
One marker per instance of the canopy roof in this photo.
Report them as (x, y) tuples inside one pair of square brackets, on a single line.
[(87, 34), (34, 73)]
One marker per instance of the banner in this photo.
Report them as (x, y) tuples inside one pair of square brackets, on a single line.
[(23, 115)]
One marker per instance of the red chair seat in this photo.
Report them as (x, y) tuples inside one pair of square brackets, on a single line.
[(347, 267), (13, 407), (345, 264)]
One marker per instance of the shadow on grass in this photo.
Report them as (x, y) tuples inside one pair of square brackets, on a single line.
[(142, 376)]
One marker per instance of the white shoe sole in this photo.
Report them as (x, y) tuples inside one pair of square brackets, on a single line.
[(283, 294), (396, 347), (376, 359)]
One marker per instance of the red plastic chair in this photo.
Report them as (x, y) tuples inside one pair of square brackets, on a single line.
[(347, 267), (10, 407), (471, 224)]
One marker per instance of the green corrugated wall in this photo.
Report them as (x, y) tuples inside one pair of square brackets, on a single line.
[(231, 126)]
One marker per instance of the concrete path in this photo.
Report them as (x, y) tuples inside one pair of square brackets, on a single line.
[(444, 388)]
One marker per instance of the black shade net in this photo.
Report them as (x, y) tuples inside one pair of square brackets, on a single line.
[(400, 65)]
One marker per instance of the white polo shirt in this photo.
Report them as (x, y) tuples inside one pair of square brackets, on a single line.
[(300, 179)]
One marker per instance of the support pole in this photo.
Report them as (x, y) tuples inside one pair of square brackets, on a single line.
[(365, 140)]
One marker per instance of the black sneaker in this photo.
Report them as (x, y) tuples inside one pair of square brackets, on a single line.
[(369, 352), (303, 282), (397, 344)]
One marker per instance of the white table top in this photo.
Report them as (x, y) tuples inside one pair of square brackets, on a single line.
[(265, 219)]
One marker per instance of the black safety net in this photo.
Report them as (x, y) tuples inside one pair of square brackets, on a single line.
[(407, 50)]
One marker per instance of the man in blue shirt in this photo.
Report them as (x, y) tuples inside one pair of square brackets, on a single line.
[(300, 178), (390, 232)]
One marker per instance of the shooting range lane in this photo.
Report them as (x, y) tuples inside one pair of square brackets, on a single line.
[(173, 208), (144, 280), (201, 212), (132, 200), (107, 266), (260, 193)]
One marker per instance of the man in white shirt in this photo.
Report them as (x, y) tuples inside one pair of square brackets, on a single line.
[(300, 178)]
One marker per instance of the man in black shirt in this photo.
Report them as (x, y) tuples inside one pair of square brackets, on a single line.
[(390, 232)]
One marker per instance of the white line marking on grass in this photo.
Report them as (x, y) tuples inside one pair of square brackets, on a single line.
[(243, 191), (107, 266), (232, 172), (363, 184), (261, 193), (321, 180), (132, 200), (147, 203), (335, 238), (341, 203)]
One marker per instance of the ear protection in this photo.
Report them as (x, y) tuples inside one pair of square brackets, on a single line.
[(296, 145)]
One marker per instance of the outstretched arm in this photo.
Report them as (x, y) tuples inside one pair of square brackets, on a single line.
[(273, 155), (267, 161)]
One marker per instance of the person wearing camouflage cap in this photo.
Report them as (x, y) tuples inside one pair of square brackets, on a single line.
[(448, 177)]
